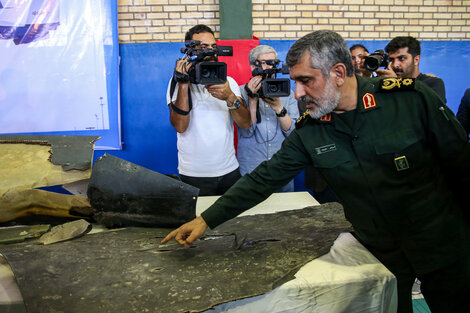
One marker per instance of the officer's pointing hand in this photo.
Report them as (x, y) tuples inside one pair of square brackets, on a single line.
[(187, 233)]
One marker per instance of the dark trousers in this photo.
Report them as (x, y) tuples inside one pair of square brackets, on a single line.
[(445, 290), (213, 186)]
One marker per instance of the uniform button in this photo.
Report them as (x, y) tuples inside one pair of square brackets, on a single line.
[(269, 145), (269, 131), (267, 119), (266, 106), (356, 137)]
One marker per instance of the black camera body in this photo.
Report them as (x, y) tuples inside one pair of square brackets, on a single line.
[(272, 87), (375, 60), (206, 72)]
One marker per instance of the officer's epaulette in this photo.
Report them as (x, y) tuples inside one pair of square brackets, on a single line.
[(395, 84), (302, 119)]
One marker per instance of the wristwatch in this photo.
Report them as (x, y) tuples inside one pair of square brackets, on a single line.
[(236, 104), (282, 113)]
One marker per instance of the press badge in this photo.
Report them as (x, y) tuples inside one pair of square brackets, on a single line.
[(401, 163), (325, 149)]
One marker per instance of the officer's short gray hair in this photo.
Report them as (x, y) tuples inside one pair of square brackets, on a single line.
[(326, 47), (256, 51)]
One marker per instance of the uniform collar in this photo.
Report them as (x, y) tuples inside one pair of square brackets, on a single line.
[(366, 89)]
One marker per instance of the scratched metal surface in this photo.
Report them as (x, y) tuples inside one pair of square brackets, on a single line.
[(71, 152), (129, 271)]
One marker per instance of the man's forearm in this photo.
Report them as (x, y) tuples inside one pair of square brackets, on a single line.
[(241, 116), (286, 122), (179, 114)]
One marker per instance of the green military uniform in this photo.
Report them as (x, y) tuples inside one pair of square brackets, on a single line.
[(393, 162)]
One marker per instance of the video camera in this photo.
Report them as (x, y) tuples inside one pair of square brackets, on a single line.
[(204, 72), (272, 87), (377, 59)]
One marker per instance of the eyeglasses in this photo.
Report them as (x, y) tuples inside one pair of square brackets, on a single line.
[(273, 62)]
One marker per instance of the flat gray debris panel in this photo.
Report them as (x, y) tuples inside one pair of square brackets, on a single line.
[(129, 271)]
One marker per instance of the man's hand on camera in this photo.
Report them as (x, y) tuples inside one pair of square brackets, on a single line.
[(187, 233), (386, 72), (182, 65), (181, 70), (221, 92), (254, 84), (275, 104)]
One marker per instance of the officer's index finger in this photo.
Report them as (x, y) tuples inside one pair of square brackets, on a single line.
[(169, 236)]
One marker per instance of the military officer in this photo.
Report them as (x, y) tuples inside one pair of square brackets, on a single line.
[(391, 151)]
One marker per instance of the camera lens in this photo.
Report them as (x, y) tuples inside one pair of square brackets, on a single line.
[(207, 73), (371, 63), (273, 87)]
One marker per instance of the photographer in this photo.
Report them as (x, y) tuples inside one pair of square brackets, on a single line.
[(203, 116), (272, 119), (358, 53), (404, 56)]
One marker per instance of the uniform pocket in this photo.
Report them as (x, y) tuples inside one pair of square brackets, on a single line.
[(329, 160), (396, 142), (403, 153)]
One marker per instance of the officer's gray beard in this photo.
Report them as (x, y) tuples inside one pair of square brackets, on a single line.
[(326, 104)]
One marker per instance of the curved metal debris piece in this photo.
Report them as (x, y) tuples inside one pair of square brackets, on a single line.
[(125, 194), (129, 271), (72, 152), (65, 231)]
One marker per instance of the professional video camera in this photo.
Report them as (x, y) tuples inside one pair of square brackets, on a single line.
[(377, 59), (204, 72), (272, 87)]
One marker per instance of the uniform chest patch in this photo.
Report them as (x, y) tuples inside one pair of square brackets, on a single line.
[(401, 163), (325, 149), (368, 100)]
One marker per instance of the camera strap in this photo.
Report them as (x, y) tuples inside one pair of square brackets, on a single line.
[(254, 95), (250, 94), (174, 107)]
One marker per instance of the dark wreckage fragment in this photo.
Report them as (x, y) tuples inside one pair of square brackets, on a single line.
[(126, 194), (129, 271)]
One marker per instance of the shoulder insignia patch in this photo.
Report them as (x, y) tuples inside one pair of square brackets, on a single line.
[(368, 100), (326, 118), (393, 84), (301, 120)]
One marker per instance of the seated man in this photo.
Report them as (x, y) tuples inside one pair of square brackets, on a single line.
[(272, 119), (203, 117), (405, 54)]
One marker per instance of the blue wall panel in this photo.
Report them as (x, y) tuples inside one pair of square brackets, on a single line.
[(148, 137)]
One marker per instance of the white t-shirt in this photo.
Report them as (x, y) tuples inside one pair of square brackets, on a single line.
[(206, 148)]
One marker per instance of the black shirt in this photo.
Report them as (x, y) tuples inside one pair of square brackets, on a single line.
[(463, 114), (435, 83)]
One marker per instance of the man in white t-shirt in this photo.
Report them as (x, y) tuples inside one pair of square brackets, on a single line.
[(203, 116)]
